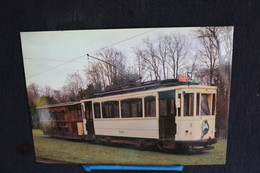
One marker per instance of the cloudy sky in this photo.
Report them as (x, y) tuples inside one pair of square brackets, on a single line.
[(50, 56)]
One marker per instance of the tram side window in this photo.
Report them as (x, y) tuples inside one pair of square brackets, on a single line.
[(188, 104), (110, 109), (131, 108), (166, 107), (205, 104), (97, 110), (88, 109), (150, 106), (79, 116), (50, 115), (55, 114)]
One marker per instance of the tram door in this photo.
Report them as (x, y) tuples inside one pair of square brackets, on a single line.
[(89, 118), (167, 113)]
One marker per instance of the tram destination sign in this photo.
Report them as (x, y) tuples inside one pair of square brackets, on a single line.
[(182, 78)]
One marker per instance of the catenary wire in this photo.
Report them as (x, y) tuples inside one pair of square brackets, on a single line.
[(89, 53)]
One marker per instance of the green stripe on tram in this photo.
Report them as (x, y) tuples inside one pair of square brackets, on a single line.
[(167, 94)]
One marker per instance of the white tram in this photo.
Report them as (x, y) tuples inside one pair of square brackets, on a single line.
[(167, 113)]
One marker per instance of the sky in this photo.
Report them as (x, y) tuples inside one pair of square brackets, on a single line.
[(50, 56)]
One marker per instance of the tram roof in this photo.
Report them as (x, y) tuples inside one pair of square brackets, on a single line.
[(142, 86)]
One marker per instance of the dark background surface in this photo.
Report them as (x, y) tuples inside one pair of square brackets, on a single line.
[(16, 145)]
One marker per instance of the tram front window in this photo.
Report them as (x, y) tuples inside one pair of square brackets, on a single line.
[(188, 104), (205, 100)]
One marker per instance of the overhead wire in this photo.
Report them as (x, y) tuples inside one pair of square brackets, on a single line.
[(89, 53), (55, 67)]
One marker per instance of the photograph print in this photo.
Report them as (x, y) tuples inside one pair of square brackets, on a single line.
[(147, 96)]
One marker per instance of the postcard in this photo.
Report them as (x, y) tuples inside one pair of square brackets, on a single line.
[(147, 96)]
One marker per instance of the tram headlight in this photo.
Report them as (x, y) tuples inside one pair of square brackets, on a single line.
[(205, 127)]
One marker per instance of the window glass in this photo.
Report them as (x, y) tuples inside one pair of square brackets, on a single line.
[(52, 115), (131, 108), (88, 110), (198, 104), (150, 107), (97, 110), (213, 104), (79, 115), (162, 107), (57, 115), (188, 104), (166, 107), (110, 109), (205, 104)]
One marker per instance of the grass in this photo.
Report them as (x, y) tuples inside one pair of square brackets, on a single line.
[(88, 153)]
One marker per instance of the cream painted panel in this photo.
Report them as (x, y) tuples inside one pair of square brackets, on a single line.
[(142, 128), (80, 128), (84, 126), (194, 127), (211, 122)]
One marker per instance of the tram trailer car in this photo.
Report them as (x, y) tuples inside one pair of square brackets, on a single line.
[(167, 113), (61, 120)]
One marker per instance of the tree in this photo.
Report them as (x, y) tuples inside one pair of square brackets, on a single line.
[(47, 91), (59, 96), (37, 98), (33, 92), (74, 83), (164, 47), (179, 47), (162, 57), (215, 54), (86, 93), (209, 51), (45, 100), (110, 71), (114, 69), (150, 58), (141, 69), (95, 75)]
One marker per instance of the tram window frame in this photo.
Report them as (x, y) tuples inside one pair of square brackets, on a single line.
[(207, 112), (128, 105), (213, 104), (179, 108), (165, 104), (198, 104), (148, 103), (190, 105), (97, 110), (110, 109)]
